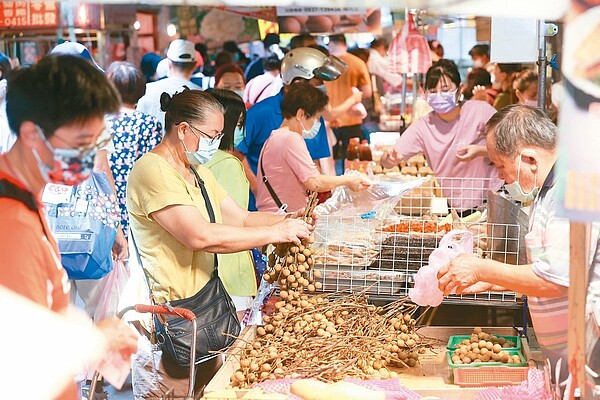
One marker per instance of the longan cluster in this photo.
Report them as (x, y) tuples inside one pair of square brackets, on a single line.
[(330, 339), (291, 266), (483, 347)]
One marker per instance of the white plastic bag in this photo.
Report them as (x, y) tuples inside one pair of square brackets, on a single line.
[(426, 291), (111, 291)]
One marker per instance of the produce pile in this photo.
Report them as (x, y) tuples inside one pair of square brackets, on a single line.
[(330, 338), (327, 337), (483, 347)]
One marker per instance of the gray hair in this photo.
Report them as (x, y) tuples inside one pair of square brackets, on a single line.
[(517, 125)]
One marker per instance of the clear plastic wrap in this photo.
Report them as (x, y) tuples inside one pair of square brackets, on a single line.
[(381, 197)]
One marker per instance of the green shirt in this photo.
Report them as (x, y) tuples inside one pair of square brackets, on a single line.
[(236, 270)]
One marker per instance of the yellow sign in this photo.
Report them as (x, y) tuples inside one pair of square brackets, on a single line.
[(265, 27)]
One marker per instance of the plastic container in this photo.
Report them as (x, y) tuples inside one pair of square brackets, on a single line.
[(489, 376), (455, 341), (523, 362)]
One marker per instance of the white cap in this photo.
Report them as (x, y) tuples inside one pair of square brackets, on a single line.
[(181, 51)]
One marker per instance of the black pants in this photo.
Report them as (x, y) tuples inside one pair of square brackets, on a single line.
[(343, 136)]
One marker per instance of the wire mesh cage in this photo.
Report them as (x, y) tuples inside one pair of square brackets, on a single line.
[(381, 255)]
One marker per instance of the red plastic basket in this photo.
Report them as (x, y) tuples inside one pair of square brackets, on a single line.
[(489, 376)]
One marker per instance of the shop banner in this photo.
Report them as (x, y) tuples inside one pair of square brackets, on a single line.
[(24, 14), (299, 10), (297, 19), (265, 13), (579, 121)]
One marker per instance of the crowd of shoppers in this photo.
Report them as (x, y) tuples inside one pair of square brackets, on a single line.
[(192, 165)]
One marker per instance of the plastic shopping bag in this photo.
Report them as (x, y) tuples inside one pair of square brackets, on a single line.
[(426, 291), (112, 288)]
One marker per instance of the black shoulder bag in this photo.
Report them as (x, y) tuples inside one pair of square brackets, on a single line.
[(217, 321)]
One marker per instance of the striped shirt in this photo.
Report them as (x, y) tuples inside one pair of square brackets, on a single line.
[(548, 251)]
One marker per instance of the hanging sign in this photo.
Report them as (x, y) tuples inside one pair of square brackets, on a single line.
[(24, 14)]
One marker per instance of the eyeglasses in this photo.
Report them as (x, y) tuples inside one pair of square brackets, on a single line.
[(211, 139), (84, 150)]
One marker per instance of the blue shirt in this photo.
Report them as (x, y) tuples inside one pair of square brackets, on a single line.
[(262, 119)]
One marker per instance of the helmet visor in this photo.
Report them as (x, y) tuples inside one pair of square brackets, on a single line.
[(331, 70)]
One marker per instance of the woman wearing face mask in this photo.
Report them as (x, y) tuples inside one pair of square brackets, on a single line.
[(237, 269), (450, 137), (172, 198), (504, 74), (230, 77), (526, 87), (285, 169)]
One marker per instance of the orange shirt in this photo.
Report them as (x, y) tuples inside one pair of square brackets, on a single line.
[(30, 261), (339, 90)]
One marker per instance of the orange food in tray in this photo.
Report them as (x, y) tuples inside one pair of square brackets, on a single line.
[(418, 227)]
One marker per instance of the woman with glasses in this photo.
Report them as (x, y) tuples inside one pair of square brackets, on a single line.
[(172, 199), (451, 139)]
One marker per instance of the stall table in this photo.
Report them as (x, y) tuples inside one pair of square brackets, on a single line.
[(432, 377)]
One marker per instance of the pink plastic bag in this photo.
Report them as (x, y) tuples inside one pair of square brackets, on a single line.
[(112, 287), (426, 291)]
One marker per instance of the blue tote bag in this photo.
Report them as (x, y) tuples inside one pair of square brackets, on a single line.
[(84, 220)]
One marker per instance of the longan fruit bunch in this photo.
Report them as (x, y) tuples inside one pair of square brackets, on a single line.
[(291, 266)]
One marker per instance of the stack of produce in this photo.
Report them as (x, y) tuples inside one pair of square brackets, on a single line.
[(483, 347), (330, 338)]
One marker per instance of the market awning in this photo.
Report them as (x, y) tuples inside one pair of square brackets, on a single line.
[(543, 9)]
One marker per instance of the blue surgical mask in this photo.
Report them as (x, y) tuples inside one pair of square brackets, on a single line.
[(442, 102), (313, 132), (322, 88), (238, 136), (206, 151), (515, 191)]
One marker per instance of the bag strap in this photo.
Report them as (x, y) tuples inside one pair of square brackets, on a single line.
[(209, 210), (261, 92), (12, 191), (268, 185)]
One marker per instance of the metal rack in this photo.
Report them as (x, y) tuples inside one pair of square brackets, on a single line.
[(381, 256)]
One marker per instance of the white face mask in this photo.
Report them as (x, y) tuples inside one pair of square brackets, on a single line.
[(477, 64), (530, 102), (206, 149), (238, 136), (313, 132), (515, 190)]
